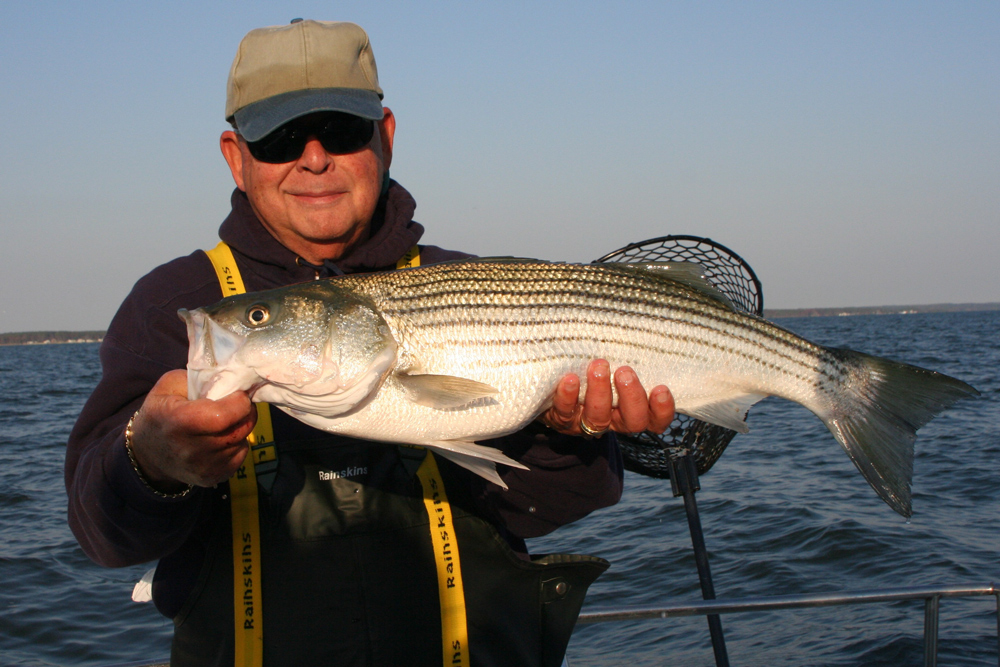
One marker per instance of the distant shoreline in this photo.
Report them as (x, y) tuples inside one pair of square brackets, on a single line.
[(776, 313), (51, 337), (59, 337)]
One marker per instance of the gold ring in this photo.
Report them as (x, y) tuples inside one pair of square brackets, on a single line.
[(590, 432)]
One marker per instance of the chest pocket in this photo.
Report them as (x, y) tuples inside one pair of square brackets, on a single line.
[(338, 487)]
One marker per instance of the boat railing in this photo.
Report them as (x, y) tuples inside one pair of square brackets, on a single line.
[(930, 596)]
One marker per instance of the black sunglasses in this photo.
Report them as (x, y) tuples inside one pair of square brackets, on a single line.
[(339, 133)]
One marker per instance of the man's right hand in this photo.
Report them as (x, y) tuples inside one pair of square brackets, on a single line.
[(177, 442)]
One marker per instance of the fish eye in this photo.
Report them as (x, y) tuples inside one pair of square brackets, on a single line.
[(258, 314)]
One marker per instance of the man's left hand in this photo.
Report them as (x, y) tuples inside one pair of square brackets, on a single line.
[(636, 412)]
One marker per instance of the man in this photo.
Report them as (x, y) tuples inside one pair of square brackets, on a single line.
[(348, 574)]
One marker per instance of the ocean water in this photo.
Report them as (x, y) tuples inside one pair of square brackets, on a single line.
[(784, 512)]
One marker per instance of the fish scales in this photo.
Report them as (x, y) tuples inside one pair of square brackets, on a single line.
[(447, 355), (619, 298), (608, 306), (632, 353)]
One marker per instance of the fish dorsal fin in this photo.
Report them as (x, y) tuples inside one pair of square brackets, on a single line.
[(690, 274), (497, 259), (443, 392)]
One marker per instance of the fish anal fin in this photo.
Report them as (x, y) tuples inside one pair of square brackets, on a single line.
[(479, 459), (729, 412), (143, 591), (443, 392)]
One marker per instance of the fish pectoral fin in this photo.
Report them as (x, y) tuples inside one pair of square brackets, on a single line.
[(443, 392), (479, 459), (729, 412)]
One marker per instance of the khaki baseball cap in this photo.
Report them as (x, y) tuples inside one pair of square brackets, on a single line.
[(283, 72)]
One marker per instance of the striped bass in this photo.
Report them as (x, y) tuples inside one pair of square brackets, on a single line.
[(446, 355)]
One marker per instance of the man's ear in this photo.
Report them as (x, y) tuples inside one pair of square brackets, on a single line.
[(233, 152), (386, 131)]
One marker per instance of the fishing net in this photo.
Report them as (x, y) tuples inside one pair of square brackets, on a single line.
[(648, 453)]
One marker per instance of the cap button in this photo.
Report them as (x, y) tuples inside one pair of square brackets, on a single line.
[(296, 21)]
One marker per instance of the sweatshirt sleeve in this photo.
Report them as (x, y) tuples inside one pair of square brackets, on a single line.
[(117, 520)]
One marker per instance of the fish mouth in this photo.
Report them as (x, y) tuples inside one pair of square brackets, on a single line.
[(211, 349)]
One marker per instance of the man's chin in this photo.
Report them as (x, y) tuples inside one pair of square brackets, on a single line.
[(331, 240)]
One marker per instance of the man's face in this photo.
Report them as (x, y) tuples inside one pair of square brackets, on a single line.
[(320, 205)]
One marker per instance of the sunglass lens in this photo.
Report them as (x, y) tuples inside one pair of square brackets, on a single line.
[(346, 134), (282, 145), (340, 133)]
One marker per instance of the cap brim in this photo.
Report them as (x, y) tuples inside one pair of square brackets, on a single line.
[(256, 121)]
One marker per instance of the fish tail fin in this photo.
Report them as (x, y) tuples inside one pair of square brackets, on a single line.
[(877, 415)]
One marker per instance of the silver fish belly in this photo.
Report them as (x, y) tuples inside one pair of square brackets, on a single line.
[(473, 350)]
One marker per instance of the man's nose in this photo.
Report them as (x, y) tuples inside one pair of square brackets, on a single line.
[(314, 156)]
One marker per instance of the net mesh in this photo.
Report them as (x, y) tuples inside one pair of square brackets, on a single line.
[(648, 453)]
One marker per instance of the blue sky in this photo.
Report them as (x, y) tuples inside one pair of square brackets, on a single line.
[(849, 151)]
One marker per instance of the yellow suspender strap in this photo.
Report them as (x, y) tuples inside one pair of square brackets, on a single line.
[(248, 621), (248, 604), (410, 259), (225, 269), (248, 607), (451, 594)]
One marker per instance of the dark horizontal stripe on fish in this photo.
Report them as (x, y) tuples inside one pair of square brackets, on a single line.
[(529, 274), (448, 286), (740, 332), (749, 341), (548, 340), (712, 309), (583, 356)]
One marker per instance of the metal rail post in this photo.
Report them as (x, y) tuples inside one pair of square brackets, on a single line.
[(932, 607), (997, 596), (684, 482)]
